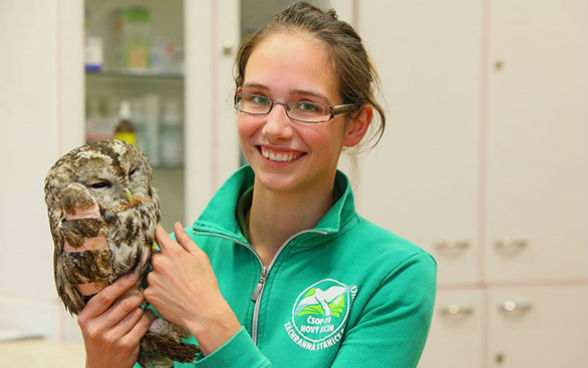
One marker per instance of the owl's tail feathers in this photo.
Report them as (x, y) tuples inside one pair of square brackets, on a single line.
[(149, 359), (162, 345)]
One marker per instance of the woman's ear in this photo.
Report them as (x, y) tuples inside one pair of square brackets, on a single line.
[(358, 126)]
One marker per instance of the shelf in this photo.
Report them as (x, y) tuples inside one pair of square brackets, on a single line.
[(164, 168), (135, 74)]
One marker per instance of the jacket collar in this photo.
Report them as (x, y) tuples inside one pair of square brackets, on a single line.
[(219, 217)]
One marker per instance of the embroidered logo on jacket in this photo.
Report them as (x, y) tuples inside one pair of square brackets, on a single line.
[(319, 314)]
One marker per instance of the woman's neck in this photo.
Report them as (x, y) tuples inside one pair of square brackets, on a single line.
[(276, 216)]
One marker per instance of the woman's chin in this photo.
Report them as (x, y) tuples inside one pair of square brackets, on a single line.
[(277, 182)]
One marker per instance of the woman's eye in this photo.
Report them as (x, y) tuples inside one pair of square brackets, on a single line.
[(258, 100), (308, 107), (101, 184)]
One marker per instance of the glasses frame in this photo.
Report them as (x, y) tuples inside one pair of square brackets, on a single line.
[(334, 110)]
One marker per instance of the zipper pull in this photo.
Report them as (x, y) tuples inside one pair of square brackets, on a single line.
[(259, 285)]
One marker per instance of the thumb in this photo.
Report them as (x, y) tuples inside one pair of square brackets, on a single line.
[(184, 239)]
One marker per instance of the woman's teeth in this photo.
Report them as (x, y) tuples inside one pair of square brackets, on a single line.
[(279, 157)]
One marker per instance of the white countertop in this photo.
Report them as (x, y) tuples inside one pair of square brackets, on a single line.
[(40, 353)]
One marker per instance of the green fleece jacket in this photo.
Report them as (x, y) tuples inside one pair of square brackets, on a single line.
[(346, 293)]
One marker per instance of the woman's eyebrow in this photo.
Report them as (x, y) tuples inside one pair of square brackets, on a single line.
[(255, 85), (294, 91), (309, 93)]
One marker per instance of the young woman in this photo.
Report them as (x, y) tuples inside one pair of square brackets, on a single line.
[(279, 270)]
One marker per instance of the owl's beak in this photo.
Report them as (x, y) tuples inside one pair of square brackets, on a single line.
[(129, 195)]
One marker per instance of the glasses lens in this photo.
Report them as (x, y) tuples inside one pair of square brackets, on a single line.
[(307, 111), (253, 104)]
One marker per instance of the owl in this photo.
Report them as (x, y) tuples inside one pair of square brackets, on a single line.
[(103, 213)]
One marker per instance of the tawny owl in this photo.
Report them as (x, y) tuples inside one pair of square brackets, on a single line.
[(103, 213)]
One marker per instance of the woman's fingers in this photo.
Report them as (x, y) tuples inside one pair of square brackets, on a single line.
[(171, 246), (163, 240), (128, 322), (113, 324), (140, 328), (104, 299), (120, 310), (185, 241)]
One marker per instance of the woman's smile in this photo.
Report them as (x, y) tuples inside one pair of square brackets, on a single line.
[(279, 155)]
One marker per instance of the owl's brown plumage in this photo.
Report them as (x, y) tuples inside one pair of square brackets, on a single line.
[(103, 212)]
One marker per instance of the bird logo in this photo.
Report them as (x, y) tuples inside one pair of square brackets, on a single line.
[(320, 313), (330, 301)]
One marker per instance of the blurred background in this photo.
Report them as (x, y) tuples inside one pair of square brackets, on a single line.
[(484, 162)]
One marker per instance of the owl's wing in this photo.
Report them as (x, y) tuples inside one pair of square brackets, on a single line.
[(72, 299), (82, 259)]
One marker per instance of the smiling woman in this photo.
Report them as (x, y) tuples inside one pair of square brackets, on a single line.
[(279, 267), (309, 79)]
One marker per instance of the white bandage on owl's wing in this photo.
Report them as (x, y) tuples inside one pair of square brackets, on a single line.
[(92, 211), (91, 288)]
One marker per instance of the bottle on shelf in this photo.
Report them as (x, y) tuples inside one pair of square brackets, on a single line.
[(151, 119), (100, 123), (93, 54), (125, 130), (131, 35), (138, 119), (171, 150)]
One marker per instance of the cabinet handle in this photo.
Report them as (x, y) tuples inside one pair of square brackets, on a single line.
[(510, 306), (452, 245), (455, 310), (508, 244), (227, 48), (498, 64)]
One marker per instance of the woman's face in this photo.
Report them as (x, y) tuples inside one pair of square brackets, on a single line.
[(302, 156)]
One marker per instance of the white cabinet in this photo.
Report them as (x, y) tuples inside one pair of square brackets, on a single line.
[(542, 326), (485, 165), (141, 66), (422, 180), (456, 330), (41, 105), (536, 195)]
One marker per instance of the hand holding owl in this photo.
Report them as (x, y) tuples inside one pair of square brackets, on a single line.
[(113, 324), (184, 287)]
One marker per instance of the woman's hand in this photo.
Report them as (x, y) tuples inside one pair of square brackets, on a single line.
[(184, 289), (113, 325)]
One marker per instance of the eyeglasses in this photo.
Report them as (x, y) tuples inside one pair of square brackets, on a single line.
[(302, 111)]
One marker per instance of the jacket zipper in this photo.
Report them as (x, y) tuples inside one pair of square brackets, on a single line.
[(258, 291)]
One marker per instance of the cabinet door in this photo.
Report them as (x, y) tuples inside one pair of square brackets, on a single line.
[(421, 181), (539, 327), (455, 339), (212, 153), (537, 156)]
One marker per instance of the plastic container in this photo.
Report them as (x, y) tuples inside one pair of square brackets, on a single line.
[(93, 54), (171, 147), (132, 38), (138, 119), (98, 125), (125, 130), (152, 111)]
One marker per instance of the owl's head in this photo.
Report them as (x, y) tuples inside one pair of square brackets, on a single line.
[(116, 174)]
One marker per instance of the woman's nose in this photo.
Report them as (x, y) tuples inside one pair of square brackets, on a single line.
[(278, 125)]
